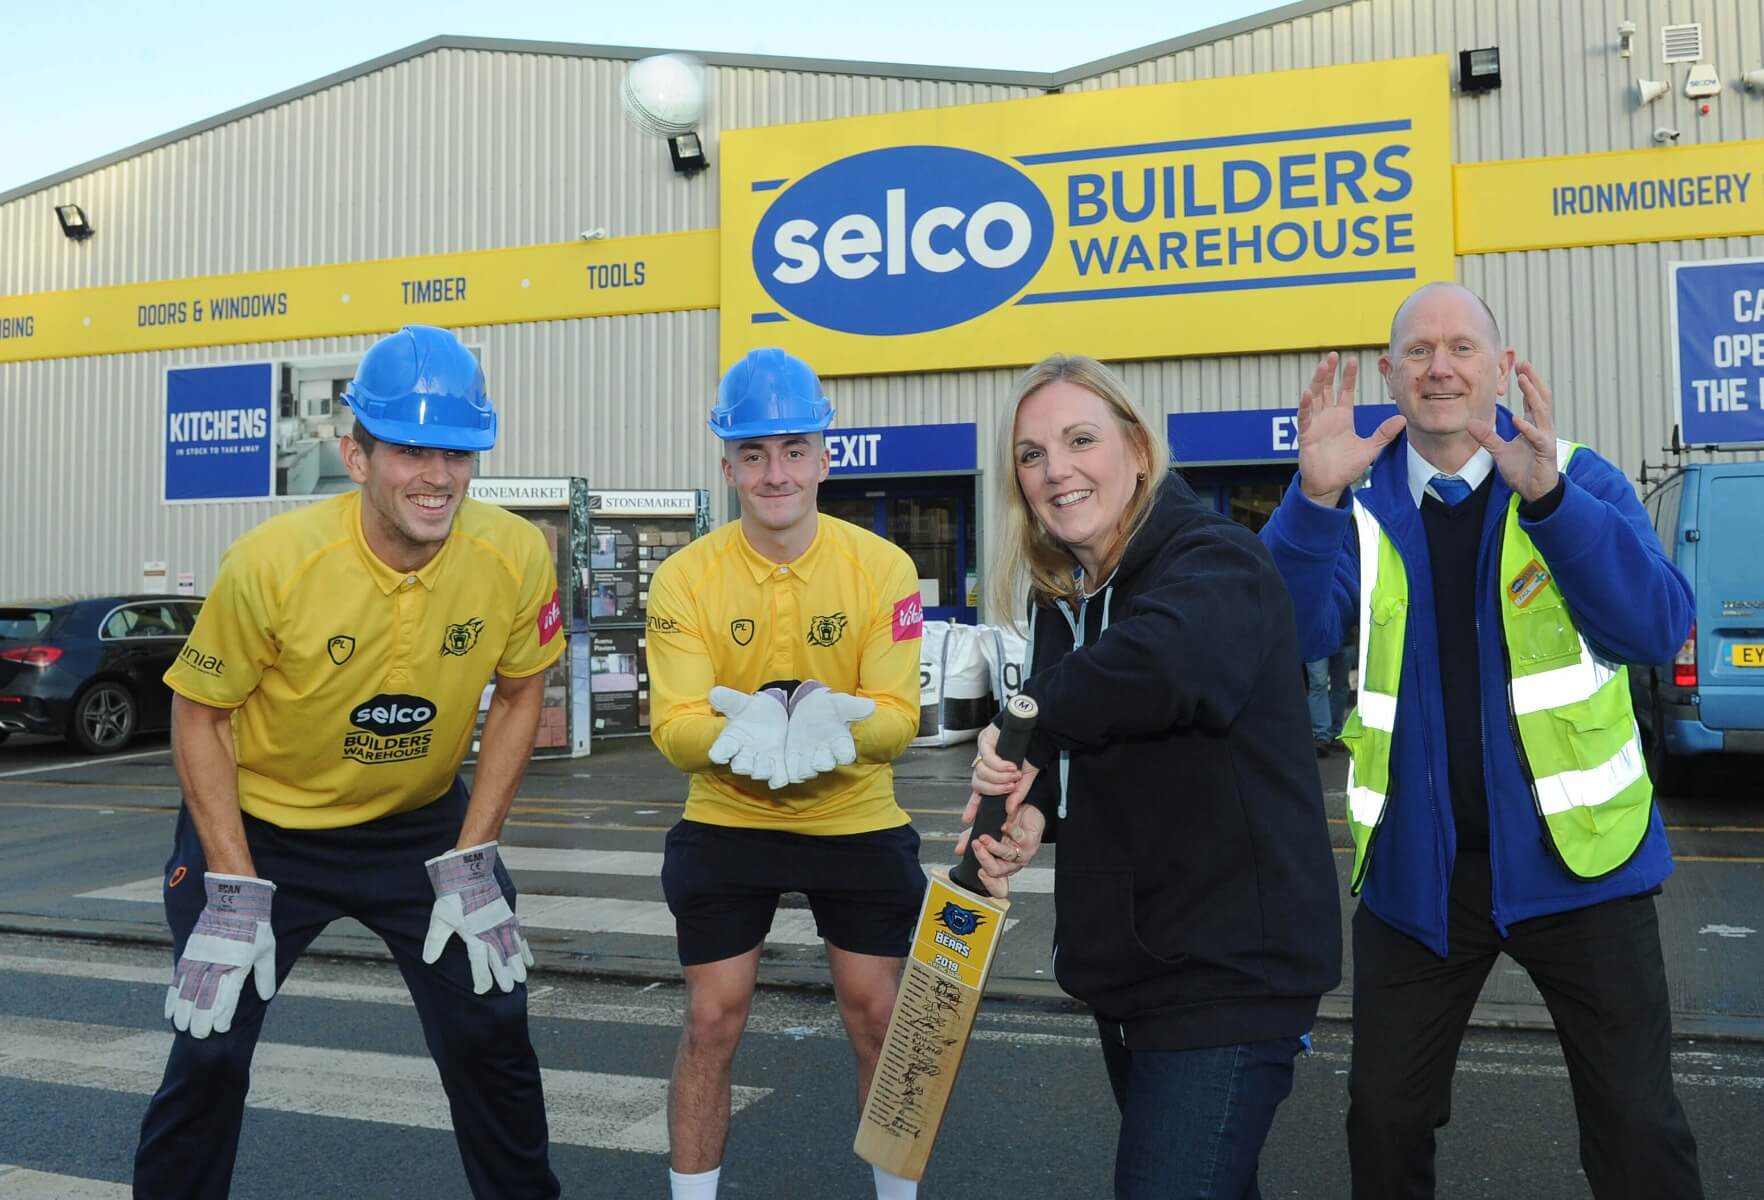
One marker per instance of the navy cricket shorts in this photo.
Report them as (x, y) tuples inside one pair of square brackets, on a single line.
[(723, 885)]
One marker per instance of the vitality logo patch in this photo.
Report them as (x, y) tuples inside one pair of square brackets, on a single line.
[(909, 618), (459, 639), (550, 619)]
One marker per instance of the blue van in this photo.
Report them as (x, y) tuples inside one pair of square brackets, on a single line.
[(1710, 698)]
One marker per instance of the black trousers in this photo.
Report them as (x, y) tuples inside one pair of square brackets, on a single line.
[(1601, 974), (374, 873)]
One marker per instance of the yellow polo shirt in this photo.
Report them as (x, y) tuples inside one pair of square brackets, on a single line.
[(355, 687), (846, 612)]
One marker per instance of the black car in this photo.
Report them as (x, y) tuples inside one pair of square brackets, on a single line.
[(90, 668)]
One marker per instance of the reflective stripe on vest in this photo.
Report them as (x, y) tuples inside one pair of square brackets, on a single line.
[(1384, 608), (1569, 707)]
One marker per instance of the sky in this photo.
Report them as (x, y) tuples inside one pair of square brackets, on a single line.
[(83, 80)]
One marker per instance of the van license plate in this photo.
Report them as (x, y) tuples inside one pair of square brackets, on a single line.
[(1748, 654)]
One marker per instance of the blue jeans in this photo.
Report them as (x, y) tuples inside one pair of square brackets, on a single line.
[(1317, 697), (1326, 683), (1193, 1121)]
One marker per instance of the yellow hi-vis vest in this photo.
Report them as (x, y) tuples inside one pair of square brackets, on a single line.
[(1569, 708)]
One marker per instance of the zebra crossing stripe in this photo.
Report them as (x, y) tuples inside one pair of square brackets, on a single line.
[(645, 863), (545, 1002), (584, 1108), (572, 914), (634, 864), (21, 1183)]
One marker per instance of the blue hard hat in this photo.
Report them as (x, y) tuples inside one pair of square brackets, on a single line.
[(767, 394), (421, 387)]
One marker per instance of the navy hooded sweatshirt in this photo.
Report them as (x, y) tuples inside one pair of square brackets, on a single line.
[(1195, 890)]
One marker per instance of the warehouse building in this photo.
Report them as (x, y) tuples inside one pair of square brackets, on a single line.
[(177, 320)]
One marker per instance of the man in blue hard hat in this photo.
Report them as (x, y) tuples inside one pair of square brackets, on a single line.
[(323, 706), (791, 787)]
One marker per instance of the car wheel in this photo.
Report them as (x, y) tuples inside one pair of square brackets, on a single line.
[(104, 719)]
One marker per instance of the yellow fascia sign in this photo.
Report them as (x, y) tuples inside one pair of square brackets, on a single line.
[(568, 280), (1255, 213), (1624, 196)]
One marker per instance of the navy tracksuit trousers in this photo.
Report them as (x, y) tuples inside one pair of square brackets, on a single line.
[(373, 873)]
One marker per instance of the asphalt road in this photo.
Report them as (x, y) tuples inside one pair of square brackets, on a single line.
[(82, 842), (345, 1104)]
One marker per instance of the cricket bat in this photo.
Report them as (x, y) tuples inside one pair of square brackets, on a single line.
[(940, 989)]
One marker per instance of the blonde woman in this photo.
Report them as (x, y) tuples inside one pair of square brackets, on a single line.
[(1195, 891)]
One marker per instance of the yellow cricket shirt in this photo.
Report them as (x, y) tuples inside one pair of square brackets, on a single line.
[(846, 612), (355, 686)]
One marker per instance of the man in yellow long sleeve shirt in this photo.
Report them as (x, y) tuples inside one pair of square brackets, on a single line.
[(791, 786)]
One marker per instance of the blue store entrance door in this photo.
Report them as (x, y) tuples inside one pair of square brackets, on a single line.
[(931, 519)]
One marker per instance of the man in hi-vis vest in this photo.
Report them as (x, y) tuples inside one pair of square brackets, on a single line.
[(1497, 794)]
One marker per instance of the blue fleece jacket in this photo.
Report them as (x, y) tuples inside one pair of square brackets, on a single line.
[(1628, 601)]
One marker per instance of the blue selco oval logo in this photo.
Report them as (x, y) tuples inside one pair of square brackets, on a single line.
[(902, 240)]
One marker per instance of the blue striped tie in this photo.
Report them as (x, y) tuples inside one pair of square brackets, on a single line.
[(1450, 489)]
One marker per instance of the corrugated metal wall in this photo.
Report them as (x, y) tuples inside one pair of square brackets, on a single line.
[(473, 148), (453, 150)]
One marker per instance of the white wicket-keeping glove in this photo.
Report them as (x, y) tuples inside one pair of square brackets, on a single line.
[(752, 742), (231, 937), (819, 737), (469, 902)]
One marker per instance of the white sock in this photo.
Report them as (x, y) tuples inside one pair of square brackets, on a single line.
[(702, 1186), (893, 1187)]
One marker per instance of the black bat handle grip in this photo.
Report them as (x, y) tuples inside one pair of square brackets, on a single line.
[(1013, 743)]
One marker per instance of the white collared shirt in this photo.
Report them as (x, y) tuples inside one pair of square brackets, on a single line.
[(1421, 472)]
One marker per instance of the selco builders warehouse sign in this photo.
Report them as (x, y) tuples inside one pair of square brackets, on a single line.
[(1718, 350), (1260, 212)]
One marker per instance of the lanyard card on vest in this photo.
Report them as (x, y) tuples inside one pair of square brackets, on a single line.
[(1568, 706)]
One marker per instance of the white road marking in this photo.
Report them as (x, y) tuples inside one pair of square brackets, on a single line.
[(584, 1108), (1727, 931), (19, 1183), (648, 864), (573, 914), (87, 762), (663, 1010)]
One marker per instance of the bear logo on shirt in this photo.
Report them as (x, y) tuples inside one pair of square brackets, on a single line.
[(824, 631), (459, 639)]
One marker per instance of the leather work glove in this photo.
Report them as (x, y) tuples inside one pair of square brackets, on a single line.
[(469, 902), (231, 937), (752, 742), (819, 737)]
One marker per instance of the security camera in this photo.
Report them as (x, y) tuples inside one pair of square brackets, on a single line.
[(594, 234), (1754, 80), (1664, 134)]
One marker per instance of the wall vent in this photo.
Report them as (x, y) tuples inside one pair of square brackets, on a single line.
[(1681, 43)]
